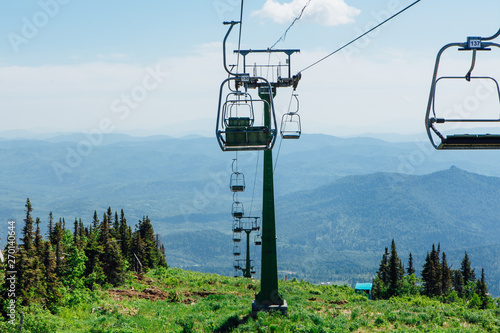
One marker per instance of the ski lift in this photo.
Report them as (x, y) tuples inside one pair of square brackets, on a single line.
[(433, 120), (258, 239), (236, 237), (237, 209), (237, 127), (249, 223), (237, 182), (290, 122), (236, 264), (252, 271), (237, 226), (236, 250)]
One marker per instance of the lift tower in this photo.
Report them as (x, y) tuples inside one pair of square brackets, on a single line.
[(238, 130)]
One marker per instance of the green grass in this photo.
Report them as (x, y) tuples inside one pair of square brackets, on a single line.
[(195, 302)]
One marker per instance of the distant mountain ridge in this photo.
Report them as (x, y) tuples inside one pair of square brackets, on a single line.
[(339, 200)]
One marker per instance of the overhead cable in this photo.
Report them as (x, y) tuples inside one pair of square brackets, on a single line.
[(361, 36), (282, 38)]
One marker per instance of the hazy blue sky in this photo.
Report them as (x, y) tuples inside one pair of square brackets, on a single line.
[(69, 65)]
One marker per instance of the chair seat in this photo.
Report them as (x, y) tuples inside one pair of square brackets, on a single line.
[(471, 141)]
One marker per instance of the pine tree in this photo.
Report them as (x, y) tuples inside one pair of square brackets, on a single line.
[(482, 290), (381, 280), (51, 228), (116, 227), (458, 282), (468, 274), (396, 272), (53, 285), (38, 238), (28, 230), (113, 263), (411, 268), (428, 276), (95, 221), (58, 245), (125, 235), (445, 276), (438, 277)]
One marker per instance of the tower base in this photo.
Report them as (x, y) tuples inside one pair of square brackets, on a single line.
[(273, 307)]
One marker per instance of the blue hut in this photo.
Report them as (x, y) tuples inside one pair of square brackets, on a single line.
[(364, 289)]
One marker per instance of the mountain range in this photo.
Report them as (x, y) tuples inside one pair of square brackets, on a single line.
[(339, 201)]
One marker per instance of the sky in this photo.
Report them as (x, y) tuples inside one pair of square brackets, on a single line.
[(155, 67)]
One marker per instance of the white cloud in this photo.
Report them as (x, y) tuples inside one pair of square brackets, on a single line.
[(324, 12)]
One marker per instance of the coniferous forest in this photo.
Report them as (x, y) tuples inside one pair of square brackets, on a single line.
[(75, 258), (437, 280), (108, 277)]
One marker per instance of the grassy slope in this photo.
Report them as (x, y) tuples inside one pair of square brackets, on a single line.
[(184, 301)]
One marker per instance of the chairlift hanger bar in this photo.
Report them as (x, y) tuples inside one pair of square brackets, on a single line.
[(282, 82), (472, 44)]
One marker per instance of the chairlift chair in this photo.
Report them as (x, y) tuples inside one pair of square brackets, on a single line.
[(434, 121), (290, 123), (258, 239), (237, 225), (237, 210), (236, 237), (237, 182), (236, 250), (236, 128)]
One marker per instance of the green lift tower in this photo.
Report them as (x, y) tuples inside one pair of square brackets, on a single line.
[(238, 129)]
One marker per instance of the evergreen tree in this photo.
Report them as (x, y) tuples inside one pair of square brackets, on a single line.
[(429, 276), (458, 282), (381, 280), (76, 233), (482, 290), (51, 228), (38, 239), (113, 263), (27, 238), (125, 235), (445, 276), (53, 285), (468, 274), (396, 272), (95, 221), (116, 227), (58, 245), (438, 278), (411, 269)]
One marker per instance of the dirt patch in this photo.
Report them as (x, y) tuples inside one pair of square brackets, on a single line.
[(155, 294), (315, 299), (340, 302), (152, 294)]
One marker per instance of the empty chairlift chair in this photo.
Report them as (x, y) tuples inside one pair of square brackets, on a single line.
[(237, 210), (258, 239), (236, 250), (238, 117), (237, 237), (237, 182), (449, 137), (290, 123)]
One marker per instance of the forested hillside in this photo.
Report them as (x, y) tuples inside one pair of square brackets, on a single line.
[(339, 200)]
